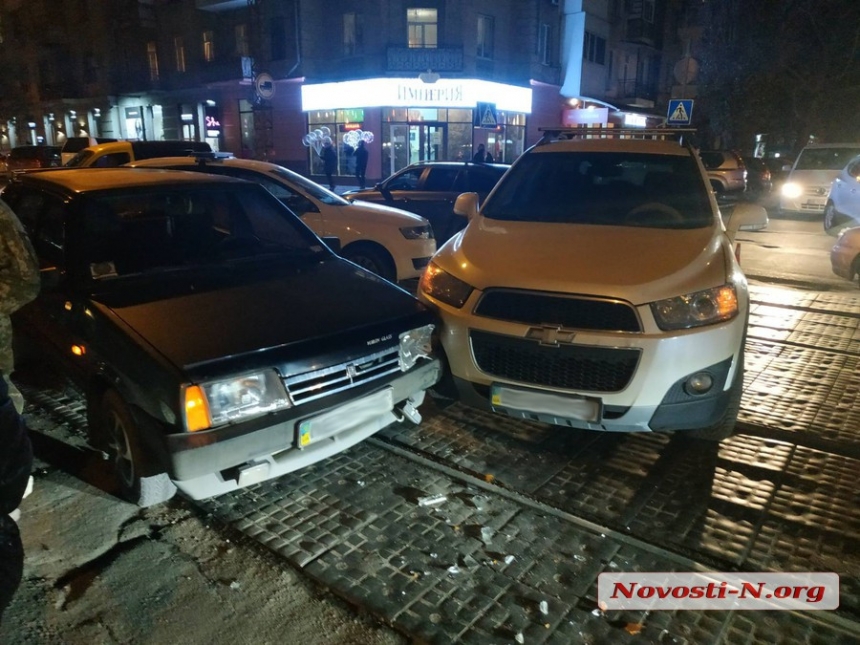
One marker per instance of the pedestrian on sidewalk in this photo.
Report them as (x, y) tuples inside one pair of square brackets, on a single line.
[(329, 162), (361, 156), (19, 284)]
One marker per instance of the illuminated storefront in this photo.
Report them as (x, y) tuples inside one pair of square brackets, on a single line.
[(411, 120)]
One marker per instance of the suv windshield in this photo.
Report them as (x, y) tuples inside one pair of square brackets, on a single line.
[(825, 158), (606, 188), (155, 230)]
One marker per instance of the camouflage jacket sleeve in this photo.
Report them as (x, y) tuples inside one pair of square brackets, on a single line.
[(19, 269)]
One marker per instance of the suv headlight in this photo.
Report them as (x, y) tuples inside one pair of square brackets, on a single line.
[(417, 232), (219, 402), (696, 309), (792, 189), (441, 285), (414, 345)]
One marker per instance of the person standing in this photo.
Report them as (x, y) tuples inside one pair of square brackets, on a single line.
[(361, 156), (481, 155), (19, 284), (329, 162)]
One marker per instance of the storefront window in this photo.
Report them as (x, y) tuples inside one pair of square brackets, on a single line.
[(334, 124)]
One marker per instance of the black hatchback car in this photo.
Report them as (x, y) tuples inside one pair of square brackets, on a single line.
[(430, 188), (219, 342)]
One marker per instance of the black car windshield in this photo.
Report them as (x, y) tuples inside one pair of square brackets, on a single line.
[(604, 188), (162, 229)]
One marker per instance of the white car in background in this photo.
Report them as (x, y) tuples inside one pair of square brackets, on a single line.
[(843, 204), (807, 188), (392, 243)]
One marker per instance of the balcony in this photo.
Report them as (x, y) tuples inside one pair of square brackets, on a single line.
[(637, 93), (420, 59)]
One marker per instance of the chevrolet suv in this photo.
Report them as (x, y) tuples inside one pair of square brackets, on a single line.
[(218, 341), (598, 288)]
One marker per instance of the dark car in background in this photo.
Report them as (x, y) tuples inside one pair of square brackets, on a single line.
[(31, 157), (218, 341), (759, 177), (430, 188)]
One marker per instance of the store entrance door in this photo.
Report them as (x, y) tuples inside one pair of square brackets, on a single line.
[(428, 142)]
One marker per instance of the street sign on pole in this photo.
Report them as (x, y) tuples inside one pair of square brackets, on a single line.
[(680, 112), (486, 116)]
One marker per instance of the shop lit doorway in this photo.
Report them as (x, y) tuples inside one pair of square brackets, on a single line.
[(427, 142)]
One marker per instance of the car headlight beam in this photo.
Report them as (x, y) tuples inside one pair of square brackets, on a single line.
[(791, 190), (441, 285), (217, 403), (696, 309)]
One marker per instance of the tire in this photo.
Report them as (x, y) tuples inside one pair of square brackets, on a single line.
[(726, 426), (121, 434), (374, 260)]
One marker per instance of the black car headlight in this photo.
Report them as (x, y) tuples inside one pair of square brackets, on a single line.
[(216, 403), (696, 309), (415, 344), (417, 232), (441, 285)]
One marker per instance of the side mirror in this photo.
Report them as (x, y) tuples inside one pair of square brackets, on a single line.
[(467, 205), (333, 243), (746, 217)]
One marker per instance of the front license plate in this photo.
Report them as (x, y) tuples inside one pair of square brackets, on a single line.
[(345, 417), (566, 406)]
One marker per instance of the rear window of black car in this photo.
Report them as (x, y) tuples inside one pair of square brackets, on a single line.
[(141, 231), (606, 188)]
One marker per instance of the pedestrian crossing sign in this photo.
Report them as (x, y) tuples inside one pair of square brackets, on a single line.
[(485, 116), (680, 112)]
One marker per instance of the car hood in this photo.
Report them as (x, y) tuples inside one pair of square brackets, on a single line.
[(814, 177), (332, 306), (380, 212), (636, 264)]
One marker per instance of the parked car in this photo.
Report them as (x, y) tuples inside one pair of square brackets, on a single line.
[(29, 157), (118, 153), (73, 145), (390, 242), (429, 188), (807, 188), (845, 254), (726, 170), (759, 179), (842, 209), (597, 288), (218, 341)]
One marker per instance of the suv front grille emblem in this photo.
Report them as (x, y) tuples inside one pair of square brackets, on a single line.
[(551, 336)]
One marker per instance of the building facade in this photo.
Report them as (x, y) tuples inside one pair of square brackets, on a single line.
[(275, 79)]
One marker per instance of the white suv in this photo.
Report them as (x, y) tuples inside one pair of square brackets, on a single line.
[(392, 243), (807, 188), (598, 288)]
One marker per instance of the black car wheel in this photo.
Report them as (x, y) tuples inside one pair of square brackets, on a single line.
[(372, 259), (121, 434)]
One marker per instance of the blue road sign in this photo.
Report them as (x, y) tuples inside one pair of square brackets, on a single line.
[(680, 112)]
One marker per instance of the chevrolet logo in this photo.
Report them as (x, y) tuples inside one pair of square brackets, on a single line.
[(551, 336)]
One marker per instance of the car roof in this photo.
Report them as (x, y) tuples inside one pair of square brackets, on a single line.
[(646, 146), (459, 164), (82, 180), (204, 160), (832, 145)]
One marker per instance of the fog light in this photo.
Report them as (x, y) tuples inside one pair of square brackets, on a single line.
[(699, 383)]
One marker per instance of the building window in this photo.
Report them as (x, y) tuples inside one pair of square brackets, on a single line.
[(648, 10), (179, 49), (422, 26), (208, 46), (353, 34), (594, 48), (543, 44), (152, 56), (241, 33), (486, 36)]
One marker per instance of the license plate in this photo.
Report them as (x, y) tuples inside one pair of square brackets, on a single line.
[(348, 416), (566, 406)]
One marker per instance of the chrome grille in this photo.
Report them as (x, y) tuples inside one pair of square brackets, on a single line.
[(310, 386)]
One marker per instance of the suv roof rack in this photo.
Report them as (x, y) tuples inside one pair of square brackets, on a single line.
[(589, 132)]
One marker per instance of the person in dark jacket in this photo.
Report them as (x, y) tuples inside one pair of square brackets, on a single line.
[(16, 463), (361, 155), (329, 162)]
